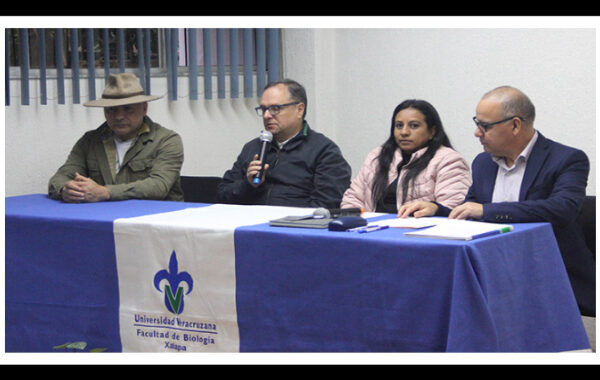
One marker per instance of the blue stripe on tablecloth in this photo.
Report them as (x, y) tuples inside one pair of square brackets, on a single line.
[(71, 294)]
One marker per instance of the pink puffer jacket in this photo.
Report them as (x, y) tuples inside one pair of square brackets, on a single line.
[(445, 180)]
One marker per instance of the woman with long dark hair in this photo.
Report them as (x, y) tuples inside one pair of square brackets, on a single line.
[(417, 162)]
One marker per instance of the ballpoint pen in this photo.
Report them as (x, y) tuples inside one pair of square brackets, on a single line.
[(372, 228)]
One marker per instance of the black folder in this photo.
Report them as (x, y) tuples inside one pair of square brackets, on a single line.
[(301, 221)]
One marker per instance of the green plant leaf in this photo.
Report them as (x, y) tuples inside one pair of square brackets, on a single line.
[(78, 345), (97, 349), (71, 345)]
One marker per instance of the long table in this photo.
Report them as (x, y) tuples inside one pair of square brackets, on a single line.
[(296, 289)]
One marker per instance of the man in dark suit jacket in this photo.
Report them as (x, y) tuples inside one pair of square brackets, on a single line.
[(524, 177)]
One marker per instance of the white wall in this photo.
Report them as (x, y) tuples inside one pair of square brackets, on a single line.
[(364, 73), (354, 79)]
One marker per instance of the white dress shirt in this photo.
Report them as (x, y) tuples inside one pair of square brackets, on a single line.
[(508, 180)]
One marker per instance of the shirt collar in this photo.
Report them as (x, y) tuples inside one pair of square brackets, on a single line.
[(523, 156), (416, 154), (527, 151), (303, 133)]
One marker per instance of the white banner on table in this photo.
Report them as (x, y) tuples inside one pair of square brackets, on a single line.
[(176, 275)]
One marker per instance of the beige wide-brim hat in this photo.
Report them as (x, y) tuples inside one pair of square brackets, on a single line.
[(121, 89)]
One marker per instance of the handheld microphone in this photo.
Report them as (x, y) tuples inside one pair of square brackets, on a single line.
[(266, 137)]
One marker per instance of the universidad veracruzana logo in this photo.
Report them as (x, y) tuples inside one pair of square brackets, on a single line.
[(173, 289)]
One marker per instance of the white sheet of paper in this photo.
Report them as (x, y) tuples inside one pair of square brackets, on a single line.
[(407, 222)]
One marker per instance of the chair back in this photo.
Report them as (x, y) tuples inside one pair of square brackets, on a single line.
[(587, 220), (200, 189)]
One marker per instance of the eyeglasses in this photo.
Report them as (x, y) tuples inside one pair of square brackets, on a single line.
[(273, 110), (483, 127)]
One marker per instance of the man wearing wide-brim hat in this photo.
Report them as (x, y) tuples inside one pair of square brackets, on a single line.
[(128, 157)]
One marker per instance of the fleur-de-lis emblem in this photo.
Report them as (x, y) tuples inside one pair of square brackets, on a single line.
[(173, 292)]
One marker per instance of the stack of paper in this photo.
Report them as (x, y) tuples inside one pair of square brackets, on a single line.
[(461, 230)]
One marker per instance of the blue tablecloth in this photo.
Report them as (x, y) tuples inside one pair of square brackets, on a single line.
[(301, 290)]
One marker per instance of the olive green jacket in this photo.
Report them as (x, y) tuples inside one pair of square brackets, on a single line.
[(150, 168)]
